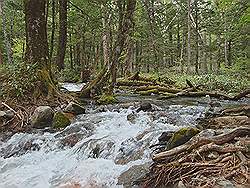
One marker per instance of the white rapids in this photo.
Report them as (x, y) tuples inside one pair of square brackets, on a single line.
[(43, 160)]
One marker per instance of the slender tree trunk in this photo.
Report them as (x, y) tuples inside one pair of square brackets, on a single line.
[(1, 57), (205, 53), (62, 34), (171, 46), (53, 6), (210, 53), (189, 37), (105, 37), (129, 58), (225, 52), (6, 37), (178, 41), (182, 49), (219, 52), (151, 21), (196, 39), (230, 52)]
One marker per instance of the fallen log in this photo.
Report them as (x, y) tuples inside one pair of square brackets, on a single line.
[(159, 88), (186, 93)]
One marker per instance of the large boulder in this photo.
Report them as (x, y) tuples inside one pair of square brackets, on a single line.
[(60, 120), (42, 117), (75, 108)]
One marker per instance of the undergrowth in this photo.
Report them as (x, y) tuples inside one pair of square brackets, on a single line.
[(17, 80)]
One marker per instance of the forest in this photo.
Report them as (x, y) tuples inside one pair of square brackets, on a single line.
[(131, 93)]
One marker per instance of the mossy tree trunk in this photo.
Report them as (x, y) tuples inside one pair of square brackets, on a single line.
[(37, 45)]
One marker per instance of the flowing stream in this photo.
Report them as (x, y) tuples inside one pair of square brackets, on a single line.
[(94, 150)]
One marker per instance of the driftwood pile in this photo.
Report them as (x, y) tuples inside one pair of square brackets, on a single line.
[(221, 152), (166, 89)]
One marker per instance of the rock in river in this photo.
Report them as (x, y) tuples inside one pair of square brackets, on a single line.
[(42, 117), (75, 108), (182, 136), (60, 120)]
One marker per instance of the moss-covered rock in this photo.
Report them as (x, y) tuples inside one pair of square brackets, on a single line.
[(107, 99), (60, 120), (182, 136)]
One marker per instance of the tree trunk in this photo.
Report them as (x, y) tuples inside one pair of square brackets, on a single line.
[(210, 53), (62, 34), (182, 49), (178, 41), (36, 33), (129, 58), (219, 52), (196, 39), (37, 45), (6, 38), (189, 37), (225, 52), (230, 52), (105, 38), (1, 57), (125, 25), (52, 30), (205, 53)]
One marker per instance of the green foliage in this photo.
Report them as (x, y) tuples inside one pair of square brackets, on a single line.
[(17, 80), (225, 81), (70, 75)]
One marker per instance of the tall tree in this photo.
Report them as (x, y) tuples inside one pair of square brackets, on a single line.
[(5, 33), (37, 45), (62, 34), (189, 36)]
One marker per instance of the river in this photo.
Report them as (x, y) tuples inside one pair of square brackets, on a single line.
[(96, 148)]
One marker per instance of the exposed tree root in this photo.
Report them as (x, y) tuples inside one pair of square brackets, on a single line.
[(202, 161)]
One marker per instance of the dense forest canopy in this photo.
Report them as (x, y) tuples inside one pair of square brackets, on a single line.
[(80, 38)]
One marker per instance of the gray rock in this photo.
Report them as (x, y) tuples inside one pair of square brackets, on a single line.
[(146, 107), (8, 114), (225, 184), (74, 108), (128, 178), (42, 117), (132, 117)]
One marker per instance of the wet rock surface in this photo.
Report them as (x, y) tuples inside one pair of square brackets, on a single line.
[(42, 117), (130, 178), (74, 108), (60, 120)]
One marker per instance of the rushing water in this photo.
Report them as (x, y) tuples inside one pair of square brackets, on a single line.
[(108, 144), (94, 150)]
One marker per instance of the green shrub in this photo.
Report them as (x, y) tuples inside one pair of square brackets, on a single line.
[(17, 80)]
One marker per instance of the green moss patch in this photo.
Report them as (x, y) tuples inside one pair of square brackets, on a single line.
[(60, 120)]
